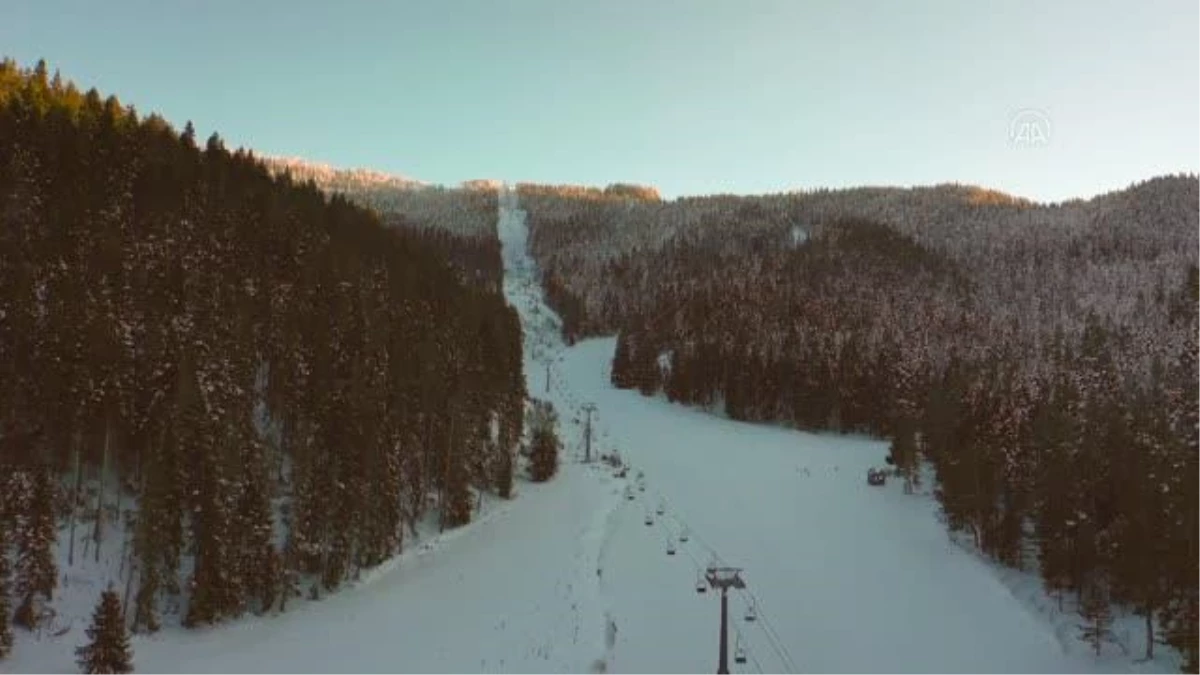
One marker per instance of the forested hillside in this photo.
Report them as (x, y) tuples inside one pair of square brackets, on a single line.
[(459, 222), (1040, 358), (263, 386)]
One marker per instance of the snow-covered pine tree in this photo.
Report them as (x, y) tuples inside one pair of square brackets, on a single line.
[(6, 635), (1053, 434), (211, 594), (1141, 555), (37, 574), (903, 454), (544, 444), (109, 650), (1095, 608), (502, 468), (256, 557)]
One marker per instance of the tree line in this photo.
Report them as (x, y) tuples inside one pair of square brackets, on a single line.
[(1040, 360), (268, 386)]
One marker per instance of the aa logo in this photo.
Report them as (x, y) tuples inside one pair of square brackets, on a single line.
[(1029, 128)]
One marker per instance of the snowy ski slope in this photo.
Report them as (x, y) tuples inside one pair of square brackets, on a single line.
[(568, 577)]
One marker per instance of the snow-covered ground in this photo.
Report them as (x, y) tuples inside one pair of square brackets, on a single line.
[(568, 576), (849, 577)]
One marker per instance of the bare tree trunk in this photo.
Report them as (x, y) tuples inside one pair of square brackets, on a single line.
[(125, 602), (75, 440), (125, 537), (277, 446), (1149, 634), (98, 531), (446, 475), (140, 480)]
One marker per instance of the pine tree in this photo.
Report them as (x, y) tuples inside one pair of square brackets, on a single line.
[(37, 574), (6, 635), (620, 373), (502, 469), (1095, 608), (1141, 562), (903, 455), (257, 559), (109, 650), (212, 596), (456, 510), (544, 444)]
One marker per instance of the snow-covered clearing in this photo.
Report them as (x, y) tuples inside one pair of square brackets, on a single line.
[(568, 577)]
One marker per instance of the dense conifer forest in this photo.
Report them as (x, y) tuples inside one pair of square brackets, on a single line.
[(459, 222), (1037, 363), (265, 386)]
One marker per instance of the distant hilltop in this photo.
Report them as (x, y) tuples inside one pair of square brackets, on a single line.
[(632, 191), (327, 175), (482, 184)]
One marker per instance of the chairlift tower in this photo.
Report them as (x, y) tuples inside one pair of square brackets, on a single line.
[(724, 578)]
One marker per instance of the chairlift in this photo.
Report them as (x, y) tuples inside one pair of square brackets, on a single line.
[(701, 583), (649, 519), (661, 508), (670, 546), (683, 536), (751, 613), (629, 494), (739, 654)]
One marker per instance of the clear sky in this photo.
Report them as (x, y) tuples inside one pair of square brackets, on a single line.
[(693, 96)]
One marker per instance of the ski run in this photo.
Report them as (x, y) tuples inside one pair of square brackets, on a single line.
[(578, 574)]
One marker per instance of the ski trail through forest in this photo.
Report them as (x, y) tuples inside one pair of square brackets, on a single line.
[(543, 349)]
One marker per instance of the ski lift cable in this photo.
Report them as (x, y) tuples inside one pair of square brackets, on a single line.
[(746, 649), (780, 654), (780, 650), (770, 631), (774, 641)]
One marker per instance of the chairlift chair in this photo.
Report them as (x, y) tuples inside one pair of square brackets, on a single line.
[(739, 654), (683, 536), (661, 508), (649, 519), (670, 546), (751, 613), (701, 583)]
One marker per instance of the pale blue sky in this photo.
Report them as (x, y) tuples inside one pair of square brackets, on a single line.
[(693, 96)]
